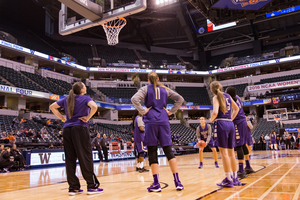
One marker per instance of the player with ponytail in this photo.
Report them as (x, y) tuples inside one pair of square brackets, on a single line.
[(224, 111)]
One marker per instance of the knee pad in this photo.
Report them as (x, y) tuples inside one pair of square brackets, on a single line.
[(168, 152), (240, 153), (152, 154), (245, 149)]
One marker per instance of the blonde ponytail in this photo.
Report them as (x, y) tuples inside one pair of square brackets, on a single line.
[(216, 88)]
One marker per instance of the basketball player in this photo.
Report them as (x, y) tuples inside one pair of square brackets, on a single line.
[(77, 141), (157, 126), (242, 133), (203, 132), (273, 141), (224, 111), (139, 136)]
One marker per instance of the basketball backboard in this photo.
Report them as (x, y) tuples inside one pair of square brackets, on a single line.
[(111, 10), (277, 114)]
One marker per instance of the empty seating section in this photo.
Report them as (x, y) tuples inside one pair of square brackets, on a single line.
[(124, 131), (28, 39), (2, 82), (44, 82), (263, 127), (279, 79), (125, 93), (18, 80), (196, 63), (197, 95), (186, 134), (239, 89), (67, 86), (79, 51), (157, 58), (114, 54)]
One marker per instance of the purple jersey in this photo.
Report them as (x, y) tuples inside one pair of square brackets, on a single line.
[(137, 133), (81, 109), (203, 132), (228, 103), (240, 117), (273, 139), (157, 114)]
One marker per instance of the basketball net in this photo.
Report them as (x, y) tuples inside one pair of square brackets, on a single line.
[(112, 30)]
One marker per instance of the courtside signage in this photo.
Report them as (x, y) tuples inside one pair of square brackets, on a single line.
[(274, 85), (49, 158)]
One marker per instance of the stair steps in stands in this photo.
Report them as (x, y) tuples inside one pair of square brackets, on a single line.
[(33, 81), (9, 83)]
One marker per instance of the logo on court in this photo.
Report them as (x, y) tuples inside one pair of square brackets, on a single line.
[(244, 3)]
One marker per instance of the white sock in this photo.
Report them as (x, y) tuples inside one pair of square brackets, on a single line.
[(141, 164), (138, 165), (228, 175), (234, 174)]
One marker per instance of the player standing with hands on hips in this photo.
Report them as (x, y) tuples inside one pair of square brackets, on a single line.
[(203, 133), (157, 126), (77, 141), (224, 111)]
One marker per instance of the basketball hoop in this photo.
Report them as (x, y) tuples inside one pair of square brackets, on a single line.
[(112, 30), (276, 119)]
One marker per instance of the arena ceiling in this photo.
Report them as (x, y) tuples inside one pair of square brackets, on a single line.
[(176, 25)]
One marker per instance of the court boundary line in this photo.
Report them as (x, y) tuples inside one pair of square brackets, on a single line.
[(264, 167), (233, 195), (276, 183), (296, 196)]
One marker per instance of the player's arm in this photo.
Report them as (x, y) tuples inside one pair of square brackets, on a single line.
[(235, 109), (141, 124), (138, 97), (215, 112), (249, 124), (177, 98), (208, 133), (198, 134), (54, 108)]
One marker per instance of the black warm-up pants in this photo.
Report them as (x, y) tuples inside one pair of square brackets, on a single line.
[(77, 144), (98, 148), (105, 152)]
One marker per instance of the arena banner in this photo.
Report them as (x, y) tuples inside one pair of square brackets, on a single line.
[(21, 91), (158, 71), (54, 157), (241, 4), (275, 85), (123, 65), (294, 129), (257, 102)]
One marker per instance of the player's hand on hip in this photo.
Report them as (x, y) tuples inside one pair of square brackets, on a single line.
[(147, 110), (84, 119), (168, 112)]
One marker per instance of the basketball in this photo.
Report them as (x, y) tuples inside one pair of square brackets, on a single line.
[(201, 144)]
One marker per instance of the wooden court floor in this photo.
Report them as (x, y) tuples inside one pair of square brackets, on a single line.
[(277, 177)]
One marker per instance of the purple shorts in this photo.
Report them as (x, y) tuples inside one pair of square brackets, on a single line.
[(224, 134), (140, 147), (249, 140), (155, 133), (273, 141), (242, 132), (211, 143)]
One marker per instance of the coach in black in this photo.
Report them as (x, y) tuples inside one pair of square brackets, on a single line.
[(104, 148), (78, 109), (96, 145)]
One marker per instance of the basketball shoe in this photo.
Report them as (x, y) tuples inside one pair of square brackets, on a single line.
[(154, 188), (94, 191), (249, 170), (226, 183), (74, 192), (178, 185), (200, 166)]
